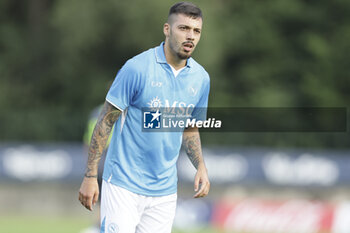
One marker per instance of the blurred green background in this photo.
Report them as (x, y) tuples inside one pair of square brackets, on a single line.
[(57, 59)]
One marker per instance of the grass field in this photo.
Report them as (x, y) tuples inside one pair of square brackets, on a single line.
[(42, 224)]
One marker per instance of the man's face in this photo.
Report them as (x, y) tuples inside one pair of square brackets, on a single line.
[(182, 34)]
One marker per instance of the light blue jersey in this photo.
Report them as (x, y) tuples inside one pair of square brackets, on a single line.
[(145, 162)]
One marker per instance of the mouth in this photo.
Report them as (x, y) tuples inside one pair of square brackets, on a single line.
[(188, 46)]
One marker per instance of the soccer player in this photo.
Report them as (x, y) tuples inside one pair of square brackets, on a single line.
[(139, 188)]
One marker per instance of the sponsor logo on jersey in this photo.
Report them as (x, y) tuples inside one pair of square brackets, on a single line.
[(175, 115)]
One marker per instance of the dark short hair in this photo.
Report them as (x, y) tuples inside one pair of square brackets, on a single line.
[(186, 8)]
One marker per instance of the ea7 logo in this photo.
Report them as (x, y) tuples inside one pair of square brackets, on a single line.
[(156, 84)]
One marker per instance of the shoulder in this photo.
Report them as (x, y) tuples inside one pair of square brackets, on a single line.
[(199, 70), (140, 62)]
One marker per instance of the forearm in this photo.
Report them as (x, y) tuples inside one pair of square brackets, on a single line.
[(192, 145), (100, 137)]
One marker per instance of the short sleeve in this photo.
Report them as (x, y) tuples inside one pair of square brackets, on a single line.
[(200, 110), (125, 86)]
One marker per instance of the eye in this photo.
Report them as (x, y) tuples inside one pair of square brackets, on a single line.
[(182, 28), (197, 31)]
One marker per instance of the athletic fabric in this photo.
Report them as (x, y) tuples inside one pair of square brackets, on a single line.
[(123, 211), (145, 162)]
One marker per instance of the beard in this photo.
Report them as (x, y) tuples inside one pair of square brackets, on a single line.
[(177, 49), (183, 56)]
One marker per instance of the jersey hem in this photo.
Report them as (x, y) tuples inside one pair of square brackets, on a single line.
[(138, 191)]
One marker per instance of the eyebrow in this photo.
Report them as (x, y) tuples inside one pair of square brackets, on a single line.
[(186, 26)]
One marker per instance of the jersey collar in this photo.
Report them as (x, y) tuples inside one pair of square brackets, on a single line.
[(160, 56)]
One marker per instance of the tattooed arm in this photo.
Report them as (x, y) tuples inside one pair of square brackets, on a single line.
[(88, 193), (192, 145)]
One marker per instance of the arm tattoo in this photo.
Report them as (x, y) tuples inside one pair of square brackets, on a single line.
[(99, 138), (192, 146)]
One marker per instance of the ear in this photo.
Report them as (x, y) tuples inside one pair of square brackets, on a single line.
[(166, 30)]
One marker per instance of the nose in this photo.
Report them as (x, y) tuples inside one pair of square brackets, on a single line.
[(190, 35)]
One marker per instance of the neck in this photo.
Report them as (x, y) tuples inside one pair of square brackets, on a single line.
[(172, 58)]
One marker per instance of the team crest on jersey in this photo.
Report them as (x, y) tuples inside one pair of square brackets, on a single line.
[(192, 91), (112, 228)]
